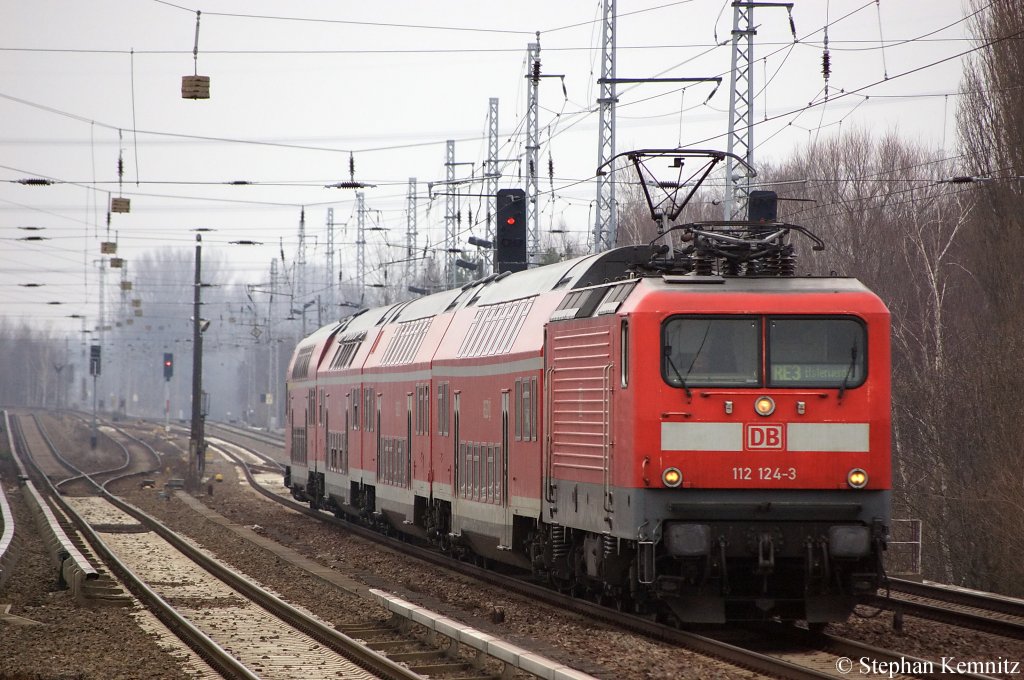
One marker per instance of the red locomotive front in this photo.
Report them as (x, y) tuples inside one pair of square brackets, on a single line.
[(766, 383), (764, 437)]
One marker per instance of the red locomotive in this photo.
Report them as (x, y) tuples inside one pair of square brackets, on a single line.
[(687, 428)]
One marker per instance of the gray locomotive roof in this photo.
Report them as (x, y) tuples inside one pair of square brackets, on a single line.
[(767, 284), (576, 273), (581, 272), (363, 321), (430, 305), (318, 334)]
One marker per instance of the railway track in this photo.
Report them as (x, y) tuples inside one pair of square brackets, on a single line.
[(240, 629), (263, 444), (782, 651), (956, 606), (139, 458)]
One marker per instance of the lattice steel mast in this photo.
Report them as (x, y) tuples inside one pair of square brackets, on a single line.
[(533, 155), (410, 230), (741, 105), (361, 246), (605, 215), (492, 174), (329, 271), (300, 261), (449, 215)]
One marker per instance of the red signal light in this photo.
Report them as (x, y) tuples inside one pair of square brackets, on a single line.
[(510, 221), (167, 363)]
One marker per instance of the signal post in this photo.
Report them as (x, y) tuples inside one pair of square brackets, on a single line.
[(196, 445), (168, 374)]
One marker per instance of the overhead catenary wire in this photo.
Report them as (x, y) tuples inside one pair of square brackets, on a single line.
[(555, 130)]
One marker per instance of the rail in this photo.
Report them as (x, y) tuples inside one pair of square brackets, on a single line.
[(205, 647), (8, 556), (963, 596), (988, 617), (378, 665), (485, 645), (256, 435), (701, 644), (73, 568), (324, 634)]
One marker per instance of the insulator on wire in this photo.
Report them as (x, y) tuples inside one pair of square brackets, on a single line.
[(351, 167), (551, 168), (826, 63)]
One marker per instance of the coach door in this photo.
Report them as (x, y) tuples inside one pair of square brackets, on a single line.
[(457, 481), (408, 440), (344, 436), (503, 475), (377, 461), (504, 448)]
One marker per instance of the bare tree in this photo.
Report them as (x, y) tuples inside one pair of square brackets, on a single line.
[(991, 126)]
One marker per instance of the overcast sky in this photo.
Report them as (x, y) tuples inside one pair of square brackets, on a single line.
[(297, 86)]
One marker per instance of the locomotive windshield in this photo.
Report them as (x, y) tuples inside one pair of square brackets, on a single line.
[(712, 351), (812, 352), (726, 352)]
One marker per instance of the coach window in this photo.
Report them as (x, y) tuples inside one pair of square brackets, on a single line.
[(711, 351), (443, 405), (355, 408), (527, 420), (816, 352), (624, 354), (519, 409), (534, 406), (369, 415)]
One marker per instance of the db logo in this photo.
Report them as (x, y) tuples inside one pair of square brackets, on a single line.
[(764, 437)]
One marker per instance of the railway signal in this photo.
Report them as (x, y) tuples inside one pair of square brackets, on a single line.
[(168, 365), (510, 252), (94, 360)]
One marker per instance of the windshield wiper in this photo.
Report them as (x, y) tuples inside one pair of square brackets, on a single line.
[(849, 371), (667, 350)]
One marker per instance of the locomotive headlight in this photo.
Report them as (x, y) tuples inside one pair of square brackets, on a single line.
[(765, 406), (672, 477), (857, 478)]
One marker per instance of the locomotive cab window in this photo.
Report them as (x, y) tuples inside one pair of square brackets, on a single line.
[(711, 352), (816, 352)]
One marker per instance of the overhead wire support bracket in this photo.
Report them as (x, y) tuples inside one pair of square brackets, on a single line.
[(458, 182)]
